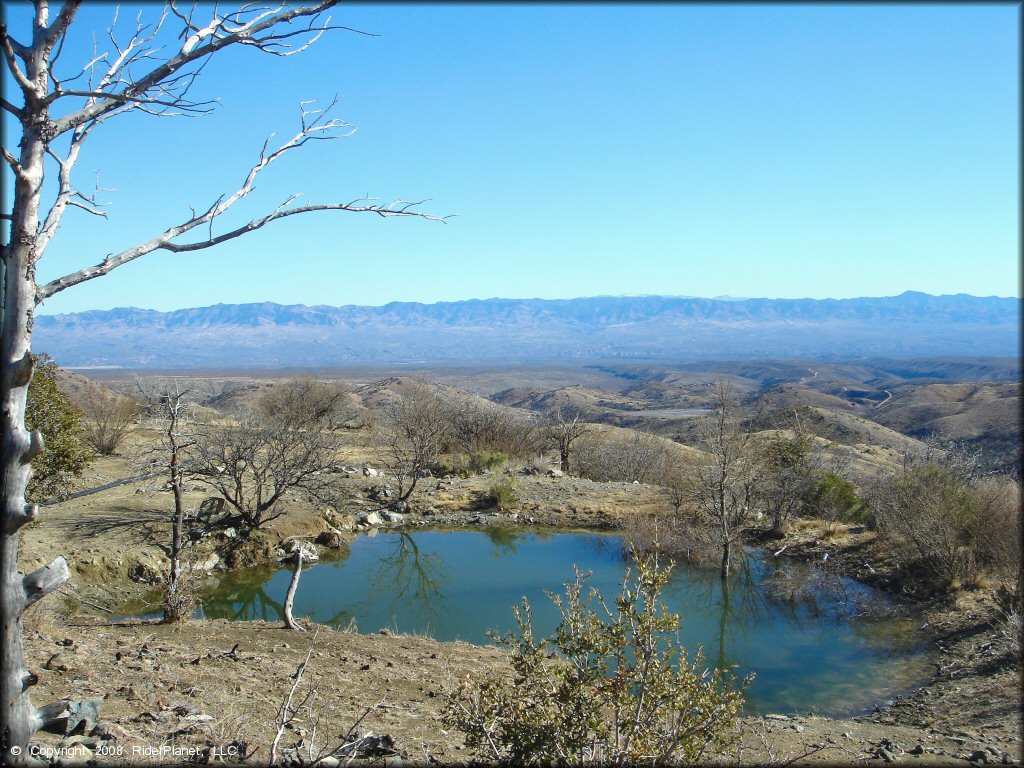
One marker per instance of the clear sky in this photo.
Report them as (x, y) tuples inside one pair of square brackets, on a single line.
[(770, 150)]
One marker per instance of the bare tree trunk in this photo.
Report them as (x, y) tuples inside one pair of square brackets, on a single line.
[(172, 608), (19, 719), (289, 598), (172, 404)]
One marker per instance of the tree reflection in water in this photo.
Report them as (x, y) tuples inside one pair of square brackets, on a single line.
[(415, 578)]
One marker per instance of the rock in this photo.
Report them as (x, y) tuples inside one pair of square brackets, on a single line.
[(229, 533), (370, 518), (555, 473), (979, 756), (393, 517), (885, 754), (332, 539), (918, 750), (369, 471), (209, 563), (776, 717)]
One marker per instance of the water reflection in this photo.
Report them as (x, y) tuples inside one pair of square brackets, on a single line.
[(808, 634)]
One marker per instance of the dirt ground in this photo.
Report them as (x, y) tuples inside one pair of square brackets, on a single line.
[(209, 691)]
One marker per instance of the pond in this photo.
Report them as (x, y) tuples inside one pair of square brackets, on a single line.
[(810, 641)]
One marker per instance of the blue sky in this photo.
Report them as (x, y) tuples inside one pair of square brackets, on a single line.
[(772, 150)]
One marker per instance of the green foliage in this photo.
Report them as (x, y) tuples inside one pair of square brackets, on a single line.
[(621, 690), (64, 455), (483, 461), (502, 493), (834, 498)]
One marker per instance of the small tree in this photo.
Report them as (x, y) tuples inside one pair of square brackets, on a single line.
[(411, 435), (562, 432), (789, 463), (49, 411), (620, 692), (835, 499), (169, 409), (268, 452), (724, 487), (109, 418)]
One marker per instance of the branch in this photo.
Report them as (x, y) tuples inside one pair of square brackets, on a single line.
[(41, 582), (201, 44), (12, 48), (11, 108), (311, 130), (60, 25)]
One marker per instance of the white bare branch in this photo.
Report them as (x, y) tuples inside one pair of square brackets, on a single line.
[(171, 80), (319, 128)]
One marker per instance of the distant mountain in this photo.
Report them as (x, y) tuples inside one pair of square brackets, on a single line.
[(269, 335)]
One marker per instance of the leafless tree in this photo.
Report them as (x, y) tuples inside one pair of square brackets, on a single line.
[(302, 553), (305, 401), (109, 418), (169, 408), (411, 435), (478, 427), (640, 457), (724, 486), (562, 433), (252, 462), (56, 112)]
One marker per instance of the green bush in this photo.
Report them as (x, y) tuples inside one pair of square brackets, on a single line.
[(835, 499), (620, 691), (502, 494), (64, 454), (484, 461)]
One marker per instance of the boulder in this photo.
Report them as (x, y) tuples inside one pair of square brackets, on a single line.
[(370, 518)]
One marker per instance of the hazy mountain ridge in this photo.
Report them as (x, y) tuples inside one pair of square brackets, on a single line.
[(274, 334)]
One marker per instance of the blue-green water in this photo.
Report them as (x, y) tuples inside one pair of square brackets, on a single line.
[(816, 653)]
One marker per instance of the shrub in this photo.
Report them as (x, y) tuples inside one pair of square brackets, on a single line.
[(502, 494), (485, 461), (622, 691), (929, 516), (109, 418), (640, 456), (835, 499), (64, 455)]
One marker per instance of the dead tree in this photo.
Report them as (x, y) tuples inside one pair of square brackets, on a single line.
[(303, 553), (411, 435), (724, 487), (562, 432), (56, 112), (169, 407)]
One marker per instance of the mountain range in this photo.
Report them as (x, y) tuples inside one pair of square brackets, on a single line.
[(275, 335)]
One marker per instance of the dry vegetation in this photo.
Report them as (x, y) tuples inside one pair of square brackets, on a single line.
[(902, 514)]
